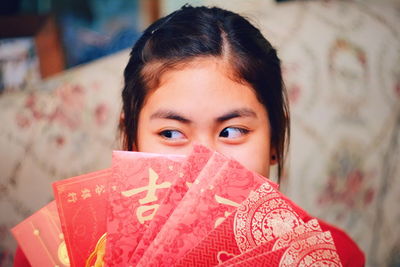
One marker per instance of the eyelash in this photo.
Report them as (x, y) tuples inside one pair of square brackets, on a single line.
[(242, 131), (169, 132)]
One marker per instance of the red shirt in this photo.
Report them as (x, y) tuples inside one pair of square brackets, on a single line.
[(349, 253)]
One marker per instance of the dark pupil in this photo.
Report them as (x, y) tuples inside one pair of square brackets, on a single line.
[(168, 134), (224, 133)]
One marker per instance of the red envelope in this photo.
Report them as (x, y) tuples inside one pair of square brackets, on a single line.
[(317, 250), (196, 161), (263, 223), (81, 203), (303, 231), (139, 183), (219, 246), (206, 204), (200, 161), (41, 239)]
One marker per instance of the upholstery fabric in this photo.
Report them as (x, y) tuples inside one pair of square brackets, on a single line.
[(64, 128)]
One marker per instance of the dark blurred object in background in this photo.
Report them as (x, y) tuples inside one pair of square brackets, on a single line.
[(66, 33), (91, 30), (30, 49)]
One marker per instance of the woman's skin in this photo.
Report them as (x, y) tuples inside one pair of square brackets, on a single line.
[(201, 104)]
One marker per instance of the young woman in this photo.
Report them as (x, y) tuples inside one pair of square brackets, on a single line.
[(207, 76)]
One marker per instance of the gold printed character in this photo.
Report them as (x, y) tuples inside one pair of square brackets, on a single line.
[(142, 209), (150, 188), (100, 189), (72, 197), (85, 193), (227, 202)]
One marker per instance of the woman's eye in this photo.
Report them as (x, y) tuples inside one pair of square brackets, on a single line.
[(233, 132), (172, 134)]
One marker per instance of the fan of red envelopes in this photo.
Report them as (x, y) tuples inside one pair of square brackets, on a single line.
[(167, 210)]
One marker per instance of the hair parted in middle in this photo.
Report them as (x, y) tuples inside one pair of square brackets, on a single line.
[(193, 32)]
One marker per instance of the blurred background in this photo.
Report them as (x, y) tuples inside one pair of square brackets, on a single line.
[(61, 66)]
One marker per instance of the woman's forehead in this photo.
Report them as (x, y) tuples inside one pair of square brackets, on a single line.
[(157, 72), (208, 77), (201, 90)]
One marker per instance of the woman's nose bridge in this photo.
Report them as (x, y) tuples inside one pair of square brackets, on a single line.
[(205, 140)]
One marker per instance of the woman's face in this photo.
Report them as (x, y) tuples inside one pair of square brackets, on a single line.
[(200, 104)]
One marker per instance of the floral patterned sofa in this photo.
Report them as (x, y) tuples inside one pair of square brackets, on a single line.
[(64, 128), (341, 62)]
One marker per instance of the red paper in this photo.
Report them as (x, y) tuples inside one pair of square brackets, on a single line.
[(219, 246), (81, 203), (301, 232), (201, 160), (41, 239), (206, 204), (264, 216), (317, 250), (138, 185)]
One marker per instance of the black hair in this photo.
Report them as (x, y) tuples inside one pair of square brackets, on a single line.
[(193, 32)]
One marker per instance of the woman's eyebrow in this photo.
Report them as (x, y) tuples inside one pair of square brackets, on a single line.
[(170, 115), (242, 112)]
